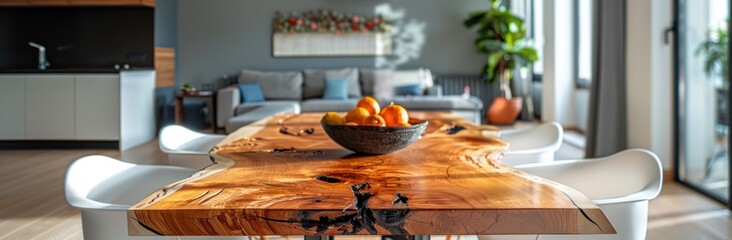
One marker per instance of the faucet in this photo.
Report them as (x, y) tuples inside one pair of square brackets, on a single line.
[(42, 62)]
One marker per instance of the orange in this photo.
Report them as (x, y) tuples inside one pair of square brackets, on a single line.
[(370, 104), (374, 120), (394, 115), (332, 118), (351, 124), (357, 115)]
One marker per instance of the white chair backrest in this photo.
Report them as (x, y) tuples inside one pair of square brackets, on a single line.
[(620, 184), (634, 175), (85, 174), (104, 188), (173, 137), (100, 182), (543, 138)]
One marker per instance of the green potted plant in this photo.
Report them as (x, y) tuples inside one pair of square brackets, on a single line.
[(714, 49), (502, 37), (188, 88)]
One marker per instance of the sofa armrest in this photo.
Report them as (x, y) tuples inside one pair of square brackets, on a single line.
[(227, 99), (434, 90)]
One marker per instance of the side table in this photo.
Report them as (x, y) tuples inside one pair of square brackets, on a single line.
[(203, 94)]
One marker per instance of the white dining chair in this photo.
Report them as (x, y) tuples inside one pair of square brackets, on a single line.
[(104, 188), (187, 148), (532, 144), (620, 184)]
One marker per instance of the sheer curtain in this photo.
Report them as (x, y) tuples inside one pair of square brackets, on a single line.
[(607, 122)]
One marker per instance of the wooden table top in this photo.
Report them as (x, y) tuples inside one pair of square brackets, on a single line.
[(273, 178)]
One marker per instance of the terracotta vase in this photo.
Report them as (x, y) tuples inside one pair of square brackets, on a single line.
[(504, 111)]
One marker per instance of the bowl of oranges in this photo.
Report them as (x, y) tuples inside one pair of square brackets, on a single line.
[(370, 129)]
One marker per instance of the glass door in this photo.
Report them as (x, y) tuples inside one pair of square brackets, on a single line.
[(703, 96)]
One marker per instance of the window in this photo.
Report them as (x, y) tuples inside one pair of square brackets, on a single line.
[(583, 22), (703, 93), (536, 29)]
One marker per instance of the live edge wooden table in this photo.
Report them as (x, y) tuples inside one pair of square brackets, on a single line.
[(273, 178)]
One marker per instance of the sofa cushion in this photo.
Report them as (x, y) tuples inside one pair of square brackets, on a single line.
[(432, 103), (336, 89), (315, 81), (384, 86), (413, 89), (369, 76), (328, 105), (249, 113), (245, 108), (250, 92), (275, 85)]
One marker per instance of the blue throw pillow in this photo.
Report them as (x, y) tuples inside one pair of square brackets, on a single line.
[(251, 92), (335, 89), (408, 90)]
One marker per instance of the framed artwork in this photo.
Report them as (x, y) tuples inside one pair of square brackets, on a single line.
[(329, 33)]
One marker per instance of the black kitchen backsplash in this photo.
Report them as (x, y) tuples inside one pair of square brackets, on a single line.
[(79, 37)]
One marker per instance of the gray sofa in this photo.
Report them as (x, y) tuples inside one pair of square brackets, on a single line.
[(302, 91)]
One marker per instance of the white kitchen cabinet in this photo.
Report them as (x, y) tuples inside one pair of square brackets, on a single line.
[(49, 107), (12, 107), (97, 106), (137, 106), (78, 107)]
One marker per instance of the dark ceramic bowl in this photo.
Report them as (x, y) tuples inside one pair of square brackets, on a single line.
[(375, 140)]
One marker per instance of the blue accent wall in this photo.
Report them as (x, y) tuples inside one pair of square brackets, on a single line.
[(166, 23), (224, 36), (166, 35)]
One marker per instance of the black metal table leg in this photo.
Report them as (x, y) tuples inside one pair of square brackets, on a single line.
[(406, 237), (319, 238)]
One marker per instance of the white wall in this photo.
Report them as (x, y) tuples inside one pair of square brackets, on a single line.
[(581, 108), (649, 85), (558, 80), (561, 100)]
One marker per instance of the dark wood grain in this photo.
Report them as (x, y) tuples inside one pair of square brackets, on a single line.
[(448, 182)]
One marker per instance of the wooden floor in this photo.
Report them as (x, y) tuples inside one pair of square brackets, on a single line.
[(32, 204)]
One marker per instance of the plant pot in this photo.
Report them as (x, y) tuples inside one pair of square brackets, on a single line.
[(504, 111), (188, 91)]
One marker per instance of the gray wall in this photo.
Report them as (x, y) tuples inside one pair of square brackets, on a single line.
[(166, 35), (223, 36), (166, 23)]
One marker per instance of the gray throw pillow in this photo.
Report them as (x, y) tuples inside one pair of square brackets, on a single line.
[(315, 78), (275, 85), (369, 76)]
